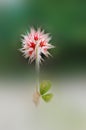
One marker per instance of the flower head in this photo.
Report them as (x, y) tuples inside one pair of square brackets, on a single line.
[(35, 43)]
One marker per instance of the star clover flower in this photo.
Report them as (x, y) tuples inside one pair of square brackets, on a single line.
[(35, 43)]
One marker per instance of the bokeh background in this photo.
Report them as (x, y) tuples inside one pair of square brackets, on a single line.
[(66, 22)]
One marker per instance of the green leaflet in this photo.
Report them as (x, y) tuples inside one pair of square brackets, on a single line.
[(44, 87), (47, 97)]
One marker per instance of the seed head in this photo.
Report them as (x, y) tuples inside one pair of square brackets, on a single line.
[(35, 41)]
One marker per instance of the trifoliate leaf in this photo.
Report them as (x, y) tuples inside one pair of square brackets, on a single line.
[(47, 97), (44, 87)]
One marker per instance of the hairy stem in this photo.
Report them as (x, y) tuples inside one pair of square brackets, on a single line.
[(37, 67)]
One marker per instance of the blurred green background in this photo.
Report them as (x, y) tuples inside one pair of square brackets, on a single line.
[(65, 20)]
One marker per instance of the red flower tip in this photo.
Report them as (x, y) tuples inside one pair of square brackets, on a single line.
[(35, 37), (42, 43), (32, 45)]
